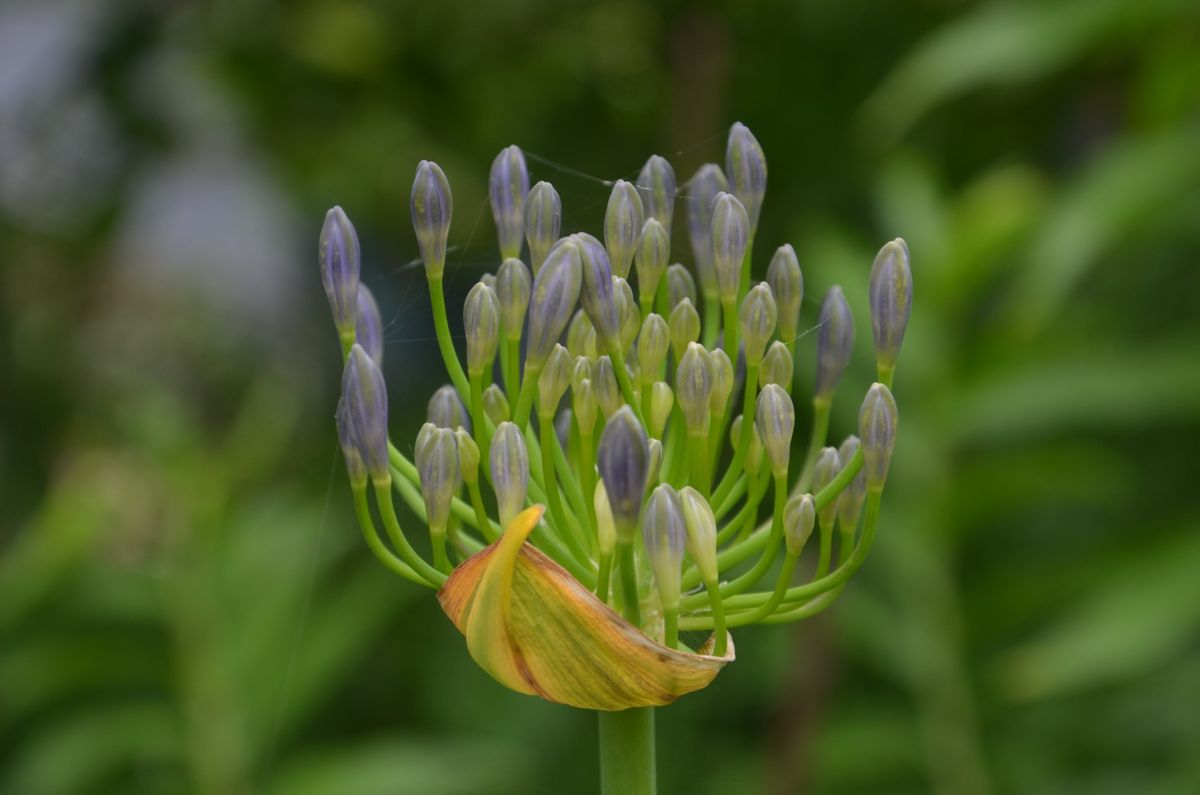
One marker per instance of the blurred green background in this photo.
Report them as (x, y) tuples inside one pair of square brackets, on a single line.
[(185, 603)]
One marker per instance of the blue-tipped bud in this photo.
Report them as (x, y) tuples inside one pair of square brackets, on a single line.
[(656, 184), (693, 387), (746, 166), (652, 344), (355, 466), (787, 284), (366, 412), (662, 400), (891, 302), (702, 191), (701, 526), (850, 503), (509, 460), (665, 535), (468, 456), (623, 459), (835, 343), (680, 285), (440, 473), (597, 293), (340, 265), (776, 421), (828, 466), (446, 410), (605, 386), (623, 225), (481, 324), (554, 380), (543, 221), (495, 404), (799, 517), (555, 293), (368, 325), (757, 318), (723, 379), (731, 236), (877, 422), (629, 317), (776, 367), (432, 208), (513, 286), (684, 327), (653, 254), (507, 187)]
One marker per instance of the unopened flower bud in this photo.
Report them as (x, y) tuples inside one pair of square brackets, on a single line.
[(799, 517), (776, 420), (446, 410), (653, 256), (746, 166), (495, 404), (656, 184), (366, 411), (440, 473), (578, 332), (509, 460), (340, 265), (513, 286), (554, 380), (583, 403), (787, 284), (754, 453), (432, 207), (555, 293), (683, 327), (701, 526), (652, 344), (368, 325), (468, 456), (606, 529), (597, 294), (693, 387), (623, 459), (662, 400), (776, 367), (891, 301), (850, 503), (835, 343), (757, 319), (723, 378), (731, 236), (656, 458), (543, 220), (481, 324), (680, 285), (665, 536), (629, 317), (702, 190), (355, 466), (507, 187), (605, 386), (829, 464), (877, 422), (623, 225)]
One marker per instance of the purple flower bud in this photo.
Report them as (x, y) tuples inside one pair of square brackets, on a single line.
[(684, 327), (665, 535), (340, 264), (680, 285), (799, 517), (509, 460), (623, 459), (623, 225), (440, 473), (543, 220), (366, 412), (787, 283), (877, 421), (481, 324), (597, 293), (368, 325), (757, 319), (446, 409), (891, 302), (828, 466), (432, 207), (355, 466), (653, 252), (693, 387), (513, 286), (850, 503), (835, 342), (776, 421), (507, 187), (702, 191), (656, 183), (555, 293), (747, 168), (731, 236)]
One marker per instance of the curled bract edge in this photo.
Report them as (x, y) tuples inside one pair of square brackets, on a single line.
[(537, 630)]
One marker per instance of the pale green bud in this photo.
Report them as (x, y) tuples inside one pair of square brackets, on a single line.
[(605, 387), (653, 256), (507, 187), (702, 190), (665, 536), (680, 285), (583, 403), (509, 460), (629, 317), (662, 400), (723, 378), (513, 287), (440, 472), (606, 529), (746, 166), (432, 207), (757, 319), (543, 220), (754, 452), (623, 225), (776, 367), (835, 342), (578, 333), (481, 324), (495, 404), (877, 421), (684, 327), (701, 527), (776, 421), (652, 345), (656, 184), (850, 503), (787, 283), (891, 301), (693, 387), (446, 410), (731, 236), (468, 456), (656, 458), (799, 517), (828, 465), (552, 302), (554, 380)]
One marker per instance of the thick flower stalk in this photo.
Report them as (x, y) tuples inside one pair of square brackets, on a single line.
[(610, 481)]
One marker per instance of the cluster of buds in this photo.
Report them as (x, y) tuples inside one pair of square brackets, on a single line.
[(631, 426)]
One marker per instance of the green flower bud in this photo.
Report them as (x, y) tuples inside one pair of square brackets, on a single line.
[(623, 225), (581, 369), (656, 184), (701, 526), (555, 293), (747, 168), (680, 285), (605, 387), (828, 465), (597, 295), (481, 324), (432, 206), (446, 410), (787, 284), (776, 421), (754, 452), (513, 286), (891, 301), (368, 325), (507, 187), (554, 380), (662, 400), (731, 236), (606, 529), (653, 255), (799, 516), (723, 378), (629, 317), (757, 319), (341, 263), (652, 344), (656, 457), (440, 472), (495, 404), (578, 332), (665, 537), (355, 466), (693, 387), (684, 327), (835, 342), (583, 403), (702, 191), (468, 456), (543, 219), (877, 421), (509, 460), (623, 460), (776, 367), (850, 503)]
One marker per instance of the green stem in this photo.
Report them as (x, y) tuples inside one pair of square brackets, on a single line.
[(524, 405), (387, 509), (721, 642), (743, 446), (570, 532), (618, 362), (445, 343), (511, 369), (700, 477), (481, 517), (820, 430), (712, 319), (731, 329), (627, 752), (603, 577), (375, 543), (671, 626), (626, 568)]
